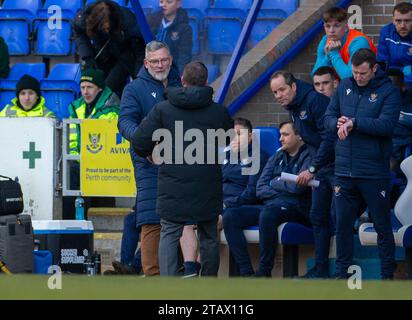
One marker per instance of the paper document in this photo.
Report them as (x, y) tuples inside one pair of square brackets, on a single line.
[(292, 178)]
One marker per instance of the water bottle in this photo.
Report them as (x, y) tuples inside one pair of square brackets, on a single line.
[(97, 263), (79, 204), (88, 266)]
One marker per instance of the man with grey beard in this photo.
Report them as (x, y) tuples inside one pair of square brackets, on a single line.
[(138, 99)]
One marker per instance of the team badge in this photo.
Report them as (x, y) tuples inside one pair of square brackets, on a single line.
[(337, 190), (409, 53), (94, 146), (303, 115), (174, 36), (373, 97)]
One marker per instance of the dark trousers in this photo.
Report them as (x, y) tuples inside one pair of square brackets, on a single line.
[(234, 221), (269, 221), (349, 193), (170, 235), (320, 217), (130, 238)]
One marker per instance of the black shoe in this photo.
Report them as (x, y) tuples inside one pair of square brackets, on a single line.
[(123, 269), (260, 274), (314, 274)]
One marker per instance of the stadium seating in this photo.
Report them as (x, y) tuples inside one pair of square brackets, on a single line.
[(233, 4), (200, 5), (401, 221), (223, 27), (69, 7), (15, 24), (213, 72), (61, 87), (154, 4), (196, 22), (120, 2), (288, 6), (266, 21)]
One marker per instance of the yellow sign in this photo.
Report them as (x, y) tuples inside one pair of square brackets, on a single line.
[(105, 165)]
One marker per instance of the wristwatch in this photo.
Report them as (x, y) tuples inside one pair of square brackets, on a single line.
[(312, 169)]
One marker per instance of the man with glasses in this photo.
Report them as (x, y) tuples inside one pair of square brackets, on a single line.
[(395, 41), (139, 97), (339, 43)]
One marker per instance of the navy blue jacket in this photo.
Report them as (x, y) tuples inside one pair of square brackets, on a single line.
[(178, 36), (395, 50), (366, 151), (138, 99), (307, 110), (270, 189), (188, 189), (239, 189)]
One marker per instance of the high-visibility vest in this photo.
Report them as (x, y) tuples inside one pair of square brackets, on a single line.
[(12, 110), (352, 34)]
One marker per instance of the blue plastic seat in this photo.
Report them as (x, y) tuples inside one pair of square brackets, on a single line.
[(288, 6), (120, 2), (36, 70), (196, 22), (223, 28), (266, 21), (61, 87), (69, 7), (15, 24), (53, 41), (154, 4), (200, 5), (6, 96), (233, 4), (213, 72), (269, 139)]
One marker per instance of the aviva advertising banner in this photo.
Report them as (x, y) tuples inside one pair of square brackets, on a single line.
[(106, 167)]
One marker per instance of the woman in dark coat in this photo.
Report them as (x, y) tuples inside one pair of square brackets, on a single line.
[(107, 37)]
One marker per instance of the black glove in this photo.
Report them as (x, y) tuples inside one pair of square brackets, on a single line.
[(89, 63)]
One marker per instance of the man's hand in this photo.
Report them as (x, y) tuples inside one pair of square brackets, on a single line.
[(234, 145), (150, 159), (304, 177), (341, 121), (345, 129), (332, 45)]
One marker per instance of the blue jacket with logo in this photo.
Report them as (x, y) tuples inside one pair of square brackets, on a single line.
[(270, 189), (239, 189), (366, 151), (307, 111), (395, 51), (138, 99)]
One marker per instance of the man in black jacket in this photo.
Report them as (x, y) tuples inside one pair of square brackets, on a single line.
[(307, 108), (363, 112), (189, 186), (108, 37)]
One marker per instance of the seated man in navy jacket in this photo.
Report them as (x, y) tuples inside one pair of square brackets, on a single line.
[(240, 189), (284, 201)]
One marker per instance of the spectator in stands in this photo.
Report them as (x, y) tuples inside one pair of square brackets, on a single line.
[(28, 101), (4, 59), (191, 191), (307, 108), (325, 81), (283, 201), (339, 43), (171, 26), (107, 37), (98, 101), (402, 135), (240, 189), (363, 113), (395, 41), (138, 99)]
